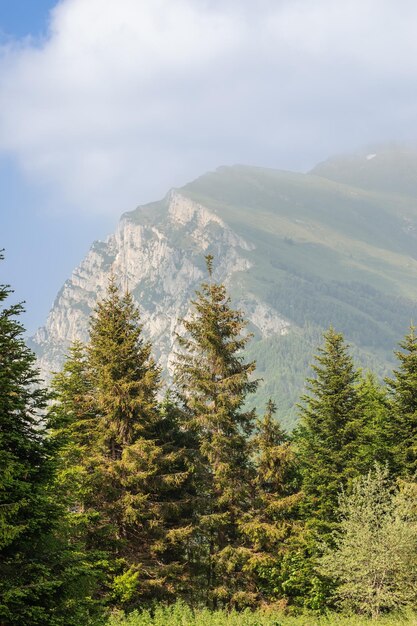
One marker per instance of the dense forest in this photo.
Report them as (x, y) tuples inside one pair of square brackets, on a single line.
[(121, 493)]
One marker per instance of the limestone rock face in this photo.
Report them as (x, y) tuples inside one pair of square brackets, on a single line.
[(157, 252)]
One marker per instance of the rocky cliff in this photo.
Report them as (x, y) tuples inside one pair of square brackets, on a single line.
[(157, 253)]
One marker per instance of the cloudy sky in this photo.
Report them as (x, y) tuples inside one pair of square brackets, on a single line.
[(106, 104)]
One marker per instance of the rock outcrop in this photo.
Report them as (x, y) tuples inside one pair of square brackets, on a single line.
[(157, 252)]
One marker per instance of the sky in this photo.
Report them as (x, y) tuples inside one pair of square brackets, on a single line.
[(107, 104)]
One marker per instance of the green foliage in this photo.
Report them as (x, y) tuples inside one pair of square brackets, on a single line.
[(214, 380), (125, 376), (182, 615), (360, 311), (323, 253), (330, 431), (72, 417), (282, 363), (126, 586), (298, 579), (374, 556), (111, 496), (43, 576), (124, 464), (25, 458), (272, 525), (403, 390), (375, 441)]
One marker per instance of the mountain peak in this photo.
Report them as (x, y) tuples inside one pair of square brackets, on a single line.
[(389, 168)]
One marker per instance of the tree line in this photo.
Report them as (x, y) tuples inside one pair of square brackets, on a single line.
[(117, 491)]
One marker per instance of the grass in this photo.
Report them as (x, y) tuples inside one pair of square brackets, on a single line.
[(181, 615)]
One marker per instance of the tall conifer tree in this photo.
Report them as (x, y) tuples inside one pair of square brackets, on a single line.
[(214, 381), (134, 470), (375, 444), (43, 579), (403, 394), (272, 525), (330, 432), (73, 419)]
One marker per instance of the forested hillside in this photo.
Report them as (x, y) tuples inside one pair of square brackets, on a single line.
[(122, 495)]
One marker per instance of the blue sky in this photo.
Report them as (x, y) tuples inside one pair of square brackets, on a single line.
[(20, 18), (42, 244), (105, 105)]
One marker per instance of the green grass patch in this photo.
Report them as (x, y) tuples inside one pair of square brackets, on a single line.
[(182, 615)]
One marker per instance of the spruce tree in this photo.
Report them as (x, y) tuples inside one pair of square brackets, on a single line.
[(126, 378), (274, 455), (375, 443), (73, 420), (214, 381), (272, 524), (133, 468), (402, 433), (43, 578), (330, 432)]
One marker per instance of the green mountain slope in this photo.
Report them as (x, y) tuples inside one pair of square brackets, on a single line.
[(325, 253), (391, 169)]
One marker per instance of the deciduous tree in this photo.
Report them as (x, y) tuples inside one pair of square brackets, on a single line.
[(374, 555)]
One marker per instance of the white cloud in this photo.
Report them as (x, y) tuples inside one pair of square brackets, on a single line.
[(127, 97)]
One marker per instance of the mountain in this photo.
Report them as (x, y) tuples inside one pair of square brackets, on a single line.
[(392, 169), (298, 252)]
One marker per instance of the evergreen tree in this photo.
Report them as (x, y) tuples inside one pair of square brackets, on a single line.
[(43, 578), (214, 382), (272, 525), (126, 378), (73, 419), (330, 432), (133, 471), (375, 445), (275, 476), (402, 433)]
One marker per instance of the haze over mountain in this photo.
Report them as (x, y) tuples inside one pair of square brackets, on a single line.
[(298, 252)]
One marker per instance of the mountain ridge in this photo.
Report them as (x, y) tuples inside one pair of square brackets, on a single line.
[(296, 251)]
